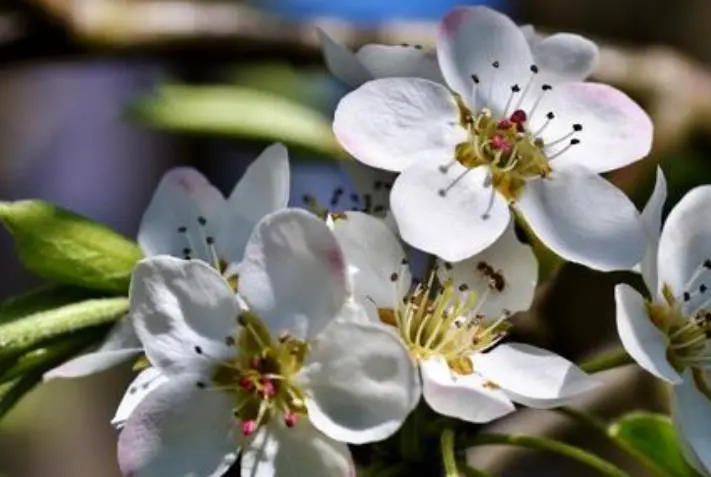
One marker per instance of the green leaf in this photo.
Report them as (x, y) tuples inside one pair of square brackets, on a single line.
[(63, 247), (41, 299), (652, 438), (235, 111), (34, 330)]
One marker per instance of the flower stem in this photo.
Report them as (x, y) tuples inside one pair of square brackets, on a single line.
[(549, 445), (449, 461), (609, 360)]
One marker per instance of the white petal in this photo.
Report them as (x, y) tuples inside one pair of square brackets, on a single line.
[(469, 41), (641, 339), (120, 345), (263, 189), (529, 33), (515, 263), (652, 221), (584, 219), (370, 246), (565, 57), (469, 218), (386, 61), (685, 446), (469, 397), (179, 430), (361, 382), (278, 451), (533, 376), (294, 274), (341, 62), (181, 199), (692, 410), (392, 123), (146, 382), (616, 131), (182, 312), (685, 242)]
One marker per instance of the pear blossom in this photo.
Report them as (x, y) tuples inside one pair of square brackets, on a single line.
[(509, 130), (286, 377), (188, 217), (669, 334), (453, 329)]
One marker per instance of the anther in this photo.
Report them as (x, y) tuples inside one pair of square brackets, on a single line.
[(198, 350), (702, 288), (210, 240), (229, 341), (246, 384), (200, 385), (546, 87), (504, 124), (182, 229), (403, 261), (290, 419), (463, 287), (393, 277), (550, 115), (534, 69), (518, 117), (378, 209), (418, 47), (574, 141), (475, 79), (500, 143), (186, 251), (495, 64), (201, 220), (686, 296), (577, 127), (378, 185), (249, 427), (267, 390), (707, 264), (515, 89), (354, 197)]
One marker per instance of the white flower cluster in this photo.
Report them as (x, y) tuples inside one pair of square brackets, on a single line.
[(278, 336)]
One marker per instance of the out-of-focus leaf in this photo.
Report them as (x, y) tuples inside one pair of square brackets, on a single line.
[(63, 247), (32, 331), (234, 111), (41, 299), (652, 438)]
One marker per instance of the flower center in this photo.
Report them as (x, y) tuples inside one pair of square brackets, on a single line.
[(509, 142), (444, 320), (261, 377), (686, 321)]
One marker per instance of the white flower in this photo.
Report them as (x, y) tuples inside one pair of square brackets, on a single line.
[(566, 55), (447, 328), (506, 132), (669, 335), (286, 383), (188, 217)]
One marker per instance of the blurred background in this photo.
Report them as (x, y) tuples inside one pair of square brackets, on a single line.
[(99, 97)]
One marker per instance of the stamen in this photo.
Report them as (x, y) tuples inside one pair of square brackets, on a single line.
[(572, 143), (549, 117), (444, 168), (443, 192), (576, 128), (527, 88), (514, 89), (544, 89)]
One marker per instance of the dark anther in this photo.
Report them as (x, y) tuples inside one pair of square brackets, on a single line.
[(338, 191), (393, 277), (210, 240), (202, 220), (574, 141), (534, 69), (307, 199), (475, 79), (495, 64), (186, 251), (404, 261), (388, 185), (378, 209), (447, 266), (442, 192), (463, 287), (686, 296), (198, 350), (546, 87), (182, 229), (404, 44), (200, 385), (132, 390), (515, 89), (418, 47), (702, 288), (378, 185), (229, 341), (355, 198), (550, 115), (707, 263), (188, 257), (368, 203), (577, 127)]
